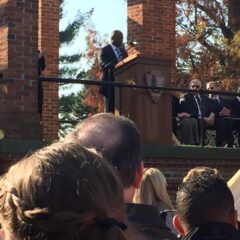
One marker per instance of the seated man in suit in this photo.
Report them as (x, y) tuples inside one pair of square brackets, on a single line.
[(109, 57), (196, 106), (221, 107), (184, 127), (235, 104)]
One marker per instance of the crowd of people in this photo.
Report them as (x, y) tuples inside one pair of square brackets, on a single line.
[(93, 185), (194, 113)]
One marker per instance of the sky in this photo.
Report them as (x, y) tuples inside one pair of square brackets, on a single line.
[(108, 15)]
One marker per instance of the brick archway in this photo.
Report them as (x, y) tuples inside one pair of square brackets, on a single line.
[(151, 23)]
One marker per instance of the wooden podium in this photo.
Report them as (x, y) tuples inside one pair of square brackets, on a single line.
[(150, 109)]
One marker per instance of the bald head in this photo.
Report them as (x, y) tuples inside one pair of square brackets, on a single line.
[(195, 84), (117, 38), (117, 138)]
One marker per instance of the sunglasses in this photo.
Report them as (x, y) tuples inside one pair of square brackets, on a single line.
[(195, 86)]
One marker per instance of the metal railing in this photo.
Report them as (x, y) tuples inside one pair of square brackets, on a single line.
[(120, 87)]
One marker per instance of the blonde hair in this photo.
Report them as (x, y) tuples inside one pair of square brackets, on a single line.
[(63, 191), (153, 189)]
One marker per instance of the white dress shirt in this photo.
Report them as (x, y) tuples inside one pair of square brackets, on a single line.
[(117, 52)]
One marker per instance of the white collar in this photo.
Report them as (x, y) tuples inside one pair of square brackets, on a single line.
[(238, 98)]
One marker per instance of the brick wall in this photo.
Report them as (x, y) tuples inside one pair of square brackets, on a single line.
[(18, 63), (175, 169), (176, 161), (152, 24), (48, 41)]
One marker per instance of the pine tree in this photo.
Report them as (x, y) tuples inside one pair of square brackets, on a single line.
[(72, 106)]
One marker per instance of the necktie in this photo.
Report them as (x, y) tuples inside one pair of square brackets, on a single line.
[(218, 99), (119, 54), (199, 105), (198, 100)]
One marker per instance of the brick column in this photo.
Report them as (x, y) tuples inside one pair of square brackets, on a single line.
[(152, 24), (19, 118), (48, 41)]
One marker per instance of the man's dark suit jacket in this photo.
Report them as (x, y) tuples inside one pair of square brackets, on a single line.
[(217, 106), (235, 105), (189, 105), (108, 61), (148, 222), (223, 126)]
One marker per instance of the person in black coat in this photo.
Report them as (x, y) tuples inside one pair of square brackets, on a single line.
[(235, 105), (184, 127), (110, 55), (196, 106), (221, 107)]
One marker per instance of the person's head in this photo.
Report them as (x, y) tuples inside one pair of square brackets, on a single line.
[(195, 84), (118, 139), (153, 189), (194, 172), (212, 86), (63, 191), (117, 38), (203, 199)]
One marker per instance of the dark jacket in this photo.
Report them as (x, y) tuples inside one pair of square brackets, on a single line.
[(217, 106), (189, 105), (235, 106), (213, 231), (147, 220), (108, 61)]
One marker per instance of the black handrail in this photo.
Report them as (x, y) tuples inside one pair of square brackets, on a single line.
[(120, 86), (136, 86)]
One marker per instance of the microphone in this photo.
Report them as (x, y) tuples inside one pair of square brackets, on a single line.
[(133, 43)]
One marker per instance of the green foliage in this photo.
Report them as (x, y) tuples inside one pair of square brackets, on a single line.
[(72, 106), (72, 109), (69, 68), (71, 31), (208, 38)]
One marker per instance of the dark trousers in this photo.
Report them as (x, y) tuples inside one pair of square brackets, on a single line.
[(202, 131), (224, 131), (109, 101)]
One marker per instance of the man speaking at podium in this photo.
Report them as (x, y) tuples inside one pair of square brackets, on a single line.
[(109, 57)]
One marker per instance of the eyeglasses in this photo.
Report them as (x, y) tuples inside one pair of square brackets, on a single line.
[(211, 88), (195, 86)]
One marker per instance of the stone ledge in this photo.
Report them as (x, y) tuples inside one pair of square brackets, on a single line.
[(192, 152), (21, 145)]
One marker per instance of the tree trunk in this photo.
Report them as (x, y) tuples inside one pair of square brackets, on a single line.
[(234, 14)]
